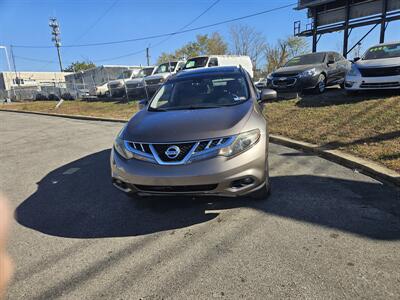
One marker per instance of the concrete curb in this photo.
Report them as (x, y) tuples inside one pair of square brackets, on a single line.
[(77, 117), (362, 165)]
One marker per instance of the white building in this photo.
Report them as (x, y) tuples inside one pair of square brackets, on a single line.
[(32, 80)]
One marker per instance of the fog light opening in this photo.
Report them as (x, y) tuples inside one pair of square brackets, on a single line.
[(242, 182)]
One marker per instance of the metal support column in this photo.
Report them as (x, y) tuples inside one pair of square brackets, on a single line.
[(383, 21), (314, 32), (346, 29)]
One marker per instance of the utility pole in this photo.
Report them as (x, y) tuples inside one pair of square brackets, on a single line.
[(148, 56), (55, 32)]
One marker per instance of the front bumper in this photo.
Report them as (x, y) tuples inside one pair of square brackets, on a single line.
[(153, 88), (293, 84), (215, 176), (118, 92), (359, 83)]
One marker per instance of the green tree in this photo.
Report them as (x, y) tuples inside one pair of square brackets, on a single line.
[(204, 45), (79, 66)]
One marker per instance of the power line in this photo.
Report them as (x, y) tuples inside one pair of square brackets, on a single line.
[(190, 23), (162, 41), (166, 34), (97, 20), (34, 59)]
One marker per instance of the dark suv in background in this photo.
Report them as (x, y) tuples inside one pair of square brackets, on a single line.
[(314, 71)]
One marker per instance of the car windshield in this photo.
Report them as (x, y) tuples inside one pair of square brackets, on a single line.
[(166, 67), (384, 51), (201, 92), (125, 74), (307, 59), (145, 72), (197, 62)]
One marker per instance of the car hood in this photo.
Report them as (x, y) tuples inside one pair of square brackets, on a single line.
[(135, 80), (295, 69), (187, 125), (116, 81), (158, 76), (383, 62)]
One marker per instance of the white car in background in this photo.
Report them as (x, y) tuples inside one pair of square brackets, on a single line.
[(379, 68), (161, 74), (100, 90), (117, 86), (208, 61), (135, 87)]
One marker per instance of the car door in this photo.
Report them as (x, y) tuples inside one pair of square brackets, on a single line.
[(332, 70), (343, 65)]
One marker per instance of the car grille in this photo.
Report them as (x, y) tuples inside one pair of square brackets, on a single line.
[(187, 150), (380, 85), (176, 189), (153, 81), (284, 74), (134, 85), (380, 72), (162, 148), (284, 82)]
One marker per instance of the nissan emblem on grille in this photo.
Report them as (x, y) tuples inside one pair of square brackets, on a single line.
[(172, 152)]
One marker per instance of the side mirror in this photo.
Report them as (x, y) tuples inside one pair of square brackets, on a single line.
[(356, 59), (268, 94), (331, 62)]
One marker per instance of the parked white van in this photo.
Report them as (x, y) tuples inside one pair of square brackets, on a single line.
[(208, 61)]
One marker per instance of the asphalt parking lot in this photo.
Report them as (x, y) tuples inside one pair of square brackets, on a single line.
[(326, 231)]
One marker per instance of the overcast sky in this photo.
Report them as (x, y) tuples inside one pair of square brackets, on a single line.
[(25, 22)]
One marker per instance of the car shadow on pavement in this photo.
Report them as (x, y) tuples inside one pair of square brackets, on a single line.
[(78, 200)]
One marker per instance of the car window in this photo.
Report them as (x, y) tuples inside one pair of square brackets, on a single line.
[(338, 57), (196, 62), (307, 59), (213, 62), (384, 51), (201, 92), (331, 57), (166, 67)]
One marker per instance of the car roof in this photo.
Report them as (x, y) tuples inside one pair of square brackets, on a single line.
[(207, 71)]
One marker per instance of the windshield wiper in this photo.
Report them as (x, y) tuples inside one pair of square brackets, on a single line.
[(193, 107), (157, 109)]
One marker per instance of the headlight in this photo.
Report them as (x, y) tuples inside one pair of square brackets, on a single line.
[(119, 146), (243, 142), (162, 80), (308, 73), (354, 71)]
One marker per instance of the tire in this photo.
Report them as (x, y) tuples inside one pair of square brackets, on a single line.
[(321, 85)]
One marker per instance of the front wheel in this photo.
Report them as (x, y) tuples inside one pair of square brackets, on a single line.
[(321, 85)]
